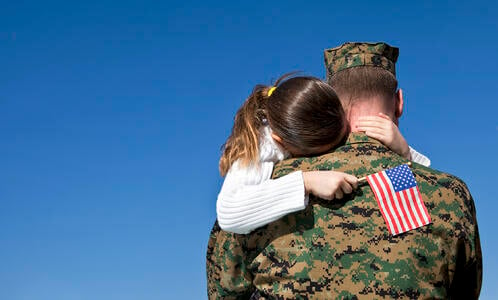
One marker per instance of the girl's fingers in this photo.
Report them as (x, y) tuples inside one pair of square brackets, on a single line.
[(369, 125), (346, 187), (370, 130), (380, 123), (384, 116), (372, 118), (339, 194), (365, 127), (352, 180), (376, 136)]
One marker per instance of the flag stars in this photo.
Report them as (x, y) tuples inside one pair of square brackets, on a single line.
[(401, 177)]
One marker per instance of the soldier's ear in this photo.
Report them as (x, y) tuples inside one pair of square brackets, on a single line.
[(398, 106)]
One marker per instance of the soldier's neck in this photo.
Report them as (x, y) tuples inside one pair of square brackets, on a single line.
[(370, 107)]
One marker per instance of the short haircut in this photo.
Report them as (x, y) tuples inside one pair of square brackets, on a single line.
[(363, 82)]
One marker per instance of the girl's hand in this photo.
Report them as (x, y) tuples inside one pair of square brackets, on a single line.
[(383, 129), (329, 185)]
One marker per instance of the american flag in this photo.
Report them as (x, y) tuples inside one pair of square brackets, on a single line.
[(399, 199)]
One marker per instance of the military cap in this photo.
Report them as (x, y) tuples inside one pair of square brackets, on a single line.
[(351, 55)]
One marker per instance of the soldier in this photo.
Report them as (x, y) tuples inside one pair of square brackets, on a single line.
[(344, 249)]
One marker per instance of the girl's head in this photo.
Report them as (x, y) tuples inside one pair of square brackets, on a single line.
[(304, 114)]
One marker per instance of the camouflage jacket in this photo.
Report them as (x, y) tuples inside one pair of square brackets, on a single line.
[(343, 249)]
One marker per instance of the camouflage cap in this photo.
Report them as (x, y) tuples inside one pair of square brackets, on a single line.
[(351, 55)]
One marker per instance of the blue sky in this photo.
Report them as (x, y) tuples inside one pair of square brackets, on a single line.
[(112, 116)]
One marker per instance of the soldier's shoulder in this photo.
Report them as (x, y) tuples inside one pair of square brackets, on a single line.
[(430, 179)]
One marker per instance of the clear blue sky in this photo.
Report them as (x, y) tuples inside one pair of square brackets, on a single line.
[(112, 115)]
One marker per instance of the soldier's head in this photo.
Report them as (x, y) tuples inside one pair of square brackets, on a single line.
[(364, 77), (303, 113)]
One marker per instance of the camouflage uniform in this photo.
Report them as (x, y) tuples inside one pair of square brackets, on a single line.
[(343, 249)]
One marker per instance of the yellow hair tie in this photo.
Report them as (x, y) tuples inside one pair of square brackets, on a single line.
[(271, 90)]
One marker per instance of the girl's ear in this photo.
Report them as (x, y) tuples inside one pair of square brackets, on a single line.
[(277, 139), (280, 143)]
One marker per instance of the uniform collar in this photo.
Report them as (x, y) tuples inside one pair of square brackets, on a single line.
[(360, 138)]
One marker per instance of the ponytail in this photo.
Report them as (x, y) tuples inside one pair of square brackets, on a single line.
[(304, 112), (243, 142)]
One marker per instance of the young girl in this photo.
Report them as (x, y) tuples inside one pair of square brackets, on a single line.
[(298, 116)]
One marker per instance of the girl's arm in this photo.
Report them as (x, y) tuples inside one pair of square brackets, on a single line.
[(419, 158), (383, 129), (250, 199)]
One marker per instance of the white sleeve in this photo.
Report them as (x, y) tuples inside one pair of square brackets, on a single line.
[(250, 199), (419, 158)]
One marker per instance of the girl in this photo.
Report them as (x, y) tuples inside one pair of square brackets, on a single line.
[(299, 116)]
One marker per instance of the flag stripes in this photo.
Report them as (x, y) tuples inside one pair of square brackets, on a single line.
[(399, 199)]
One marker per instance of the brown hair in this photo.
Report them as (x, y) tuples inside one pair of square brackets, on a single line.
[(304, 111), (363, 82)]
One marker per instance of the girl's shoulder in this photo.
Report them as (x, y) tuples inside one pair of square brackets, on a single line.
[(269, 150)]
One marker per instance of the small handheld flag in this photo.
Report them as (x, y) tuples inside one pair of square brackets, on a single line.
[(399, 199)]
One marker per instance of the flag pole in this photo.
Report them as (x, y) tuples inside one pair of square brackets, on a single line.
[(363, 179)]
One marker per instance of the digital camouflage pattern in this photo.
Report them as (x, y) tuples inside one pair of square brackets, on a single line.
[(351, 55), (343, 249)]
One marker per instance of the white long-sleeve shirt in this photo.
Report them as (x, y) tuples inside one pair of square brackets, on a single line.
[(249, 198)]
